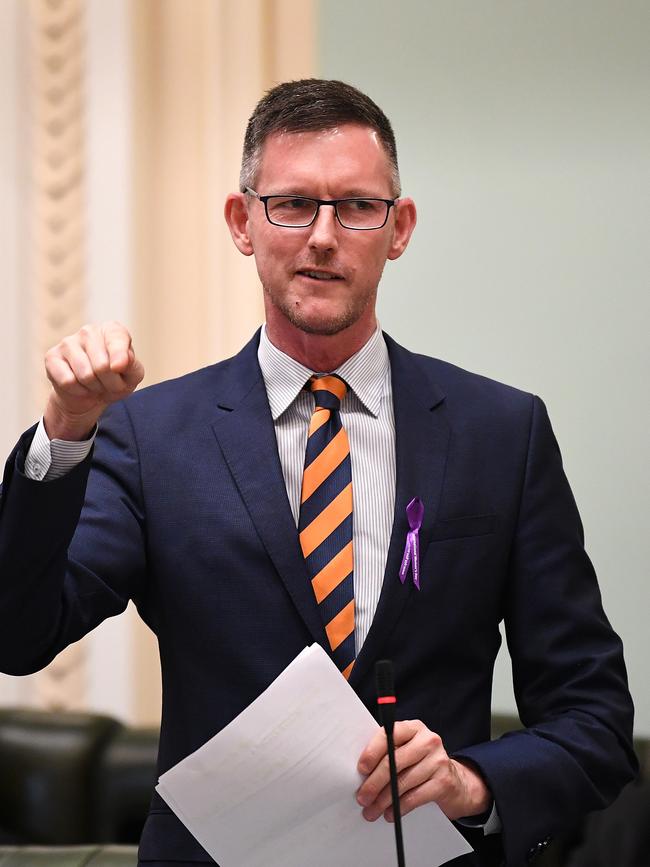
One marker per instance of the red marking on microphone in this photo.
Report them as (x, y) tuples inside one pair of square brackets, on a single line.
[(387, 699)]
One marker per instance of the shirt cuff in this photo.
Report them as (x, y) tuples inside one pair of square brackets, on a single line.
[(50, 459), (491, 825)]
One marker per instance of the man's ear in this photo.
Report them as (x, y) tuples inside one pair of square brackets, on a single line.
[(236, 213), (405, 220)]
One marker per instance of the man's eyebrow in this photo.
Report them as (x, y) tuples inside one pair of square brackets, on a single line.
[(354, 193), (358, 193), (299, 192)]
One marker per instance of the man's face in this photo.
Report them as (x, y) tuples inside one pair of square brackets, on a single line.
[(322, 279)]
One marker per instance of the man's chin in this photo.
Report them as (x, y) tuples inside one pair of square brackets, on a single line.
[(324, 328), (324, 323)]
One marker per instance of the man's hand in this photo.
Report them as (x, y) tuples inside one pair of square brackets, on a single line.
[(424, 772), (88, 371)]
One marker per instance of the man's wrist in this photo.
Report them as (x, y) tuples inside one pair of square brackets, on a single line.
[(66, 427), (478, 796)]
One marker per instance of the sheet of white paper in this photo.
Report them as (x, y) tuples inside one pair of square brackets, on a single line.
[(277, 785)]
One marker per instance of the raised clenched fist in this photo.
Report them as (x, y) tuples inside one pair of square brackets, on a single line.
[(88, 370)]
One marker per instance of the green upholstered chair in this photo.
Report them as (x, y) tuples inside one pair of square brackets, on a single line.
[(48, 762), (68, 856), (73, 779)]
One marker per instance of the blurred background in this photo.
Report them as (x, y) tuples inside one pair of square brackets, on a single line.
[(523, 132)]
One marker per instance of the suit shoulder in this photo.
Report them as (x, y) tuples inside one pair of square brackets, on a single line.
[(451, 376), (461, 386), (481, 406)]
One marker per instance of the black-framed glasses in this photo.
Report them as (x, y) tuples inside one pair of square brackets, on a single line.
[(299, 212)]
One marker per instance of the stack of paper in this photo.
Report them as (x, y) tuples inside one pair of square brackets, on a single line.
[(277, 785)]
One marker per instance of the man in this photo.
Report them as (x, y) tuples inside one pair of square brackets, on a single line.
[(195, 505)]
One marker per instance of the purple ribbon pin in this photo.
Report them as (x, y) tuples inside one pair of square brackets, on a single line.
[(415, 513)]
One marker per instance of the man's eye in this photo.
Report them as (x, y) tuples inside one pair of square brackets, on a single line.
[(292, 204), (362, 205)]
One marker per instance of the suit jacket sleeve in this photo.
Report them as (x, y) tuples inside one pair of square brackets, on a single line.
[(568, 672), (54, 590)]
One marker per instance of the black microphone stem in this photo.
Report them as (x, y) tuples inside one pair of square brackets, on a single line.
[(386, 704), (399, 842)]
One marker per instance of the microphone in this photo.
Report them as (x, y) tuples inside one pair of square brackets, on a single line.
[(386, 702)]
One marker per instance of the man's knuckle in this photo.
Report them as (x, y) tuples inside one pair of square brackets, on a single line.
[(87, 378), (66, 379), (114, 330), (432, 740)]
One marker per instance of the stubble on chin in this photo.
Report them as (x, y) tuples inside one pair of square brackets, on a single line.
[(323, 324)]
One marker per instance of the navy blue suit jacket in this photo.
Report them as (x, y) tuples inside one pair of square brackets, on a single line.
[(183, 509)]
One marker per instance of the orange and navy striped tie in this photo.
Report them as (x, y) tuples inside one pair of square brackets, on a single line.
[(325, 523)]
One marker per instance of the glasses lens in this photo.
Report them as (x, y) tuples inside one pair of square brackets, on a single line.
[(291, 211), (362, 213)]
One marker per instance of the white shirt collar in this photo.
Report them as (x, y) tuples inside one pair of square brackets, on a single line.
[(366, 373)]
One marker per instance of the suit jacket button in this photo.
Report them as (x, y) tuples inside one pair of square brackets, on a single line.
[(537, 849)]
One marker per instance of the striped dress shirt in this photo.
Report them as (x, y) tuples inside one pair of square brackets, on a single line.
[(367, 416)]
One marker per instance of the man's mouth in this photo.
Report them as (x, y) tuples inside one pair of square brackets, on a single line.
[(316, 274)]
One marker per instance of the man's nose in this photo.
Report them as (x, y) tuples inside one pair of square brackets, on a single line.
[(324, 231)]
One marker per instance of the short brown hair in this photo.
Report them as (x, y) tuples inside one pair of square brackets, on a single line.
[(312, 104)]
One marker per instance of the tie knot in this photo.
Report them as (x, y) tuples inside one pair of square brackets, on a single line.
[(328, 391)]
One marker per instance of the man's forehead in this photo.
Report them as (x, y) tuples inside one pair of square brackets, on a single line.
[(346, 149), (330, 135)]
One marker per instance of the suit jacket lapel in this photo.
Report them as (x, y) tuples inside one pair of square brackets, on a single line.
[(245, 432), (422, 441)]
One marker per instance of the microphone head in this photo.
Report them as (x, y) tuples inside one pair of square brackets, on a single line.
[(384, 678)]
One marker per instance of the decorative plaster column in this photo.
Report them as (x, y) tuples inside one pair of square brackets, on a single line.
[(55, 34)]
